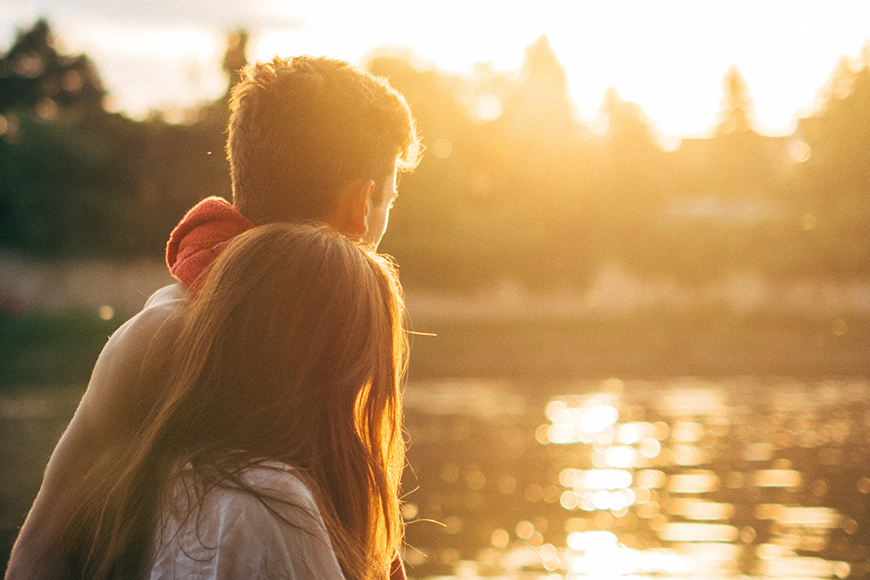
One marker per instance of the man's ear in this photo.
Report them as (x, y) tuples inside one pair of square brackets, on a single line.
[(352, 208)]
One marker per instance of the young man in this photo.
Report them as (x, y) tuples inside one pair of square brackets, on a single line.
[(309, 138)]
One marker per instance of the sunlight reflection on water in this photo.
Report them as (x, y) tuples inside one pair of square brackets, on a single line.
[(676, 480)]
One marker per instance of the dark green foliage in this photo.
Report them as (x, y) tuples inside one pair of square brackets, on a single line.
[(529, 194), (37, 349), (536, 197), (76, 180), (33, 74)]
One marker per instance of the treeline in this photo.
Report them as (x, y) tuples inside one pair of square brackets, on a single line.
[(512, 185)]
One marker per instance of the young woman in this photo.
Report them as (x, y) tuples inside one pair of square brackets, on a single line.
[(275, 449)]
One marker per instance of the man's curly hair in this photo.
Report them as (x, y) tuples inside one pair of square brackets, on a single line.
[(302, 127)]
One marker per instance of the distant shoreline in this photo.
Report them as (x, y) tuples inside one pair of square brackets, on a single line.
[(55, 318), (61, 349), (88, 285)]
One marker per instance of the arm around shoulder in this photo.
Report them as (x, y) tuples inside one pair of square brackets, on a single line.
[(104, 413)]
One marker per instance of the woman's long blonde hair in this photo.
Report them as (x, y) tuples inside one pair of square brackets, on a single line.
[(294, 350)]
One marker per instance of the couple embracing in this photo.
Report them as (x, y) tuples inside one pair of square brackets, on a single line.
[(247, 423)]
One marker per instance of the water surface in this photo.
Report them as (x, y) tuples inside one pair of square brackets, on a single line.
[(683, 478)]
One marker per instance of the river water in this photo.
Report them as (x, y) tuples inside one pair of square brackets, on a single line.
[(687, 478), (683, 478)]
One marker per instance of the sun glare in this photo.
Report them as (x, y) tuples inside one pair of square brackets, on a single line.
[(169, 68), (175, 43), (669, 57)]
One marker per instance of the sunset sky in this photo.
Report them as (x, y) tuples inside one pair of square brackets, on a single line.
[(667, 55)]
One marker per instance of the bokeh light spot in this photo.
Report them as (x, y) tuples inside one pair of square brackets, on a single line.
[(453, 525), (449, 472), (409, 511), (106, 312), (569, 500), (487, 108), (534, 492), (441, 148), (507, 485), (621, 456), (524, 530), (500, 538), (597, 418), (650, 448), (799, 151), (475, 479)]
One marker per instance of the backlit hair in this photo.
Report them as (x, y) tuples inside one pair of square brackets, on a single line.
[(294, 350), (301, 128)]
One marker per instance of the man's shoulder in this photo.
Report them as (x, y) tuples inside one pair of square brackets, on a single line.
[(113, 382), (167, 297), (158, 308)]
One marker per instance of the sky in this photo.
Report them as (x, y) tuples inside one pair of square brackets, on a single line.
[(669, 56)]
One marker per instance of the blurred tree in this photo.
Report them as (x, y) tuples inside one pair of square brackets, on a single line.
[(540, 106), (64, 163), (831, 229), (544, 178), (737, 162), (76, 180), (633, 178), (628, 127), (511, 187), (737, 113), (66, 183), (725, 194), (35, 77), (839, 141), (439, 196), (839, 85), (234, 57)]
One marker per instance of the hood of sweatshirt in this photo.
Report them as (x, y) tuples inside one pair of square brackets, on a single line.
[(200, 237)]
